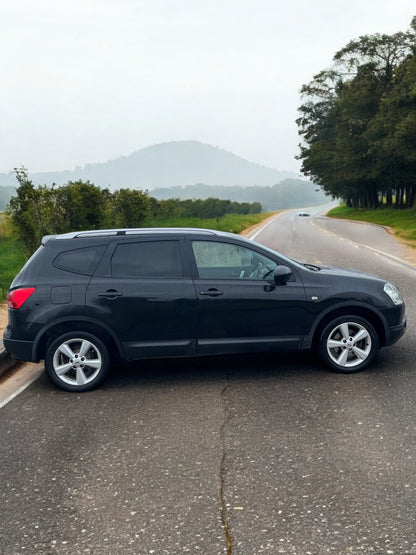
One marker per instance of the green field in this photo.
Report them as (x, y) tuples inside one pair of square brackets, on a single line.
[(402, 222), (12, 255)]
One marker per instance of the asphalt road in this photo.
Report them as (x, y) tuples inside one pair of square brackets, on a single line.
[(240, 455)]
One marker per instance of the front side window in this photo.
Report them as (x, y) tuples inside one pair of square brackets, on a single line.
[(215, 260), (147, 259)]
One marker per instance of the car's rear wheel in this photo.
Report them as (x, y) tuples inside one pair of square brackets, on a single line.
[(348, 344), (77, 361)]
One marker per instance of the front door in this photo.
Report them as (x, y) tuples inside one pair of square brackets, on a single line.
[(241, 309)]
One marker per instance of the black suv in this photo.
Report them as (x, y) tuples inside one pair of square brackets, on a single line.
[(86, 298)]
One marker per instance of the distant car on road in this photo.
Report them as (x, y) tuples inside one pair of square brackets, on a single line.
[(86, 299), (303, 214)]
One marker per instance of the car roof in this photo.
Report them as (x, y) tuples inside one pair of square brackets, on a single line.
[(120, 232)]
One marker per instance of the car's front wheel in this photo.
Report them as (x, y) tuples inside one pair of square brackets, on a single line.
[(77, 361), (348, 344)]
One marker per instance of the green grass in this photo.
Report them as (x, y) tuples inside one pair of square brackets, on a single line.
[(12, 256), (233, 223), (402, 222)]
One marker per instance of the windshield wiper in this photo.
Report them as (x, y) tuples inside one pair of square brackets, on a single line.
[(312, 267)]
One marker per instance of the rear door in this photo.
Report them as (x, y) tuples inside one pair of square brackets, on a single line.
[(143, 291), (241, 309)]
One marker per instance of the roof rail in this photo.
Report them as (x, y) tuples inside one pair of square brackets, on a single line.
[(129, 231)]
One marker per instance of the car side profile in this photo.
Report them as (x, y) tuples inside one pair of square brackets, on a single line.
[(86, 299)]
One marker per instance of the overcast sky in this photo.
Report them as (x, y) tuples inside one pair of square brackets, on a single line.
[(86, 81)]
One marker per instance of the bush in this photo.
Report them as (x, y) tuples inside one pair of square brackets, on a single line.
[(39, 211)]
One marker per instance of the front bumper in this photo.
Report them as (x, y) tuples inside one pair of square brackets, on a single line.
[(395, 332)]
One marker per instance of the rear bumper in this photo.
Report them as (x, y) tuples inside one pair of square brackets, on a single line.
[(22, 350), (395, 332)]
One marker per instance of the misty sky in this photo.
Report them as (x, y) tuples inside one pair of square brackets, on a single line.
[(86, 81)]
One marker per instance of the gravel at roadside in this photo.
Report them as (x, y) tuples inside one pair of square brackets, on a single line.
[(6, 362), (3, 316)]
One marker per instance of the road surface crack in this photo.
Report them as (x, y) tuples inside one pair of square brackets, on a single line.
[(223, 473)]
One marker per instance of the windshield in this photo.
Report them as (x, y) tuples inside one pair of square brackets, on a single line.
[(276, 253)]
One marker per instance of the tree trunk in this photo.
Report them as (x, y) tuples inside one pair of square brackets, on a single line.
[(412, 196)]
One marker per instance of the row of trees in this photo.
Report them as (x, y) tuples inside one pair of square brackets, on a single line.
[(288, 193), (358, 122), (43, 210)]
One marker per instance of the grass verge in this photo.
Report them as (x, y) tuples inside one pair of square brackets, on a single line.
[(233, 223), (402, 222)]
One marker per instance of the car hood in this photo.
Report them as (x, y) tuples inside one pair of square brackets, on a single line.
[(343, 272)]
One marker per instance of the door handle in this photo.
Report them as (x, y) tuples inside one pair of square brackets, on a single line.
[(212, 292), (110, 294)]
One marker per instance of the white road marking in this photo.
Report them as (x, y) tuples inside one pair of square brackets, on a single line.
[(19, 381), (360, 245), (263, 227)]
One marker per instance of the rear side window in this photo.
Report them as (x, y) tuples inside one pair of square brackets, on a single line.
[(80, 261), (147, 259)]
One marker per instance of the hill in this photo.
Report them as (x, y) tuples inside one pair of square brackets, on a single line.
[(170, 164)]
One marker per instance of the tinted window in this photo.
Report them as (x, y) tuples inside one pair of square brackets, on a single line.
[(148, 259), (230, 261), (80, 261)]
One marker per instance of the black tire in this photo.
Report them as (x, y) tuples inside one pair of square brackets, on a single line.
[(77, 361), (348, 344)]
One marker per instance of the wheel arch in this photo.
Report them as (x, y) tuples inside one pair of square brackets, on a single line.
[(373, 317), (50, 333)]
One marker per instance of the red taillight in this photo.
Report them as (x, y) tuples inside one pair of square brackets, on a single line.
[(17, 297)]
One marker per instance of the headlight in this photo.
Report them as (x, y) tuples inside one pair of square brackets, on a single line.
[(393, 293)]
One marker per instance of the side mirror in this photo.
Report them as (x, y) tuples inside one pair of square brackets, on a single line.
[(282, 274)]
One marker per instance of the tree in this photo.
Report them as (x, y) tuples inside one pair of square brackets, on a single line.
[(337, 121), (393, 137), (34, 211), (129, 208), (84, 205)]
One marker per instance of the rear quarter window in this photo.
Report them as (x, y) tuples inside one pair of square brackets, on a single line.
[(80, 261)]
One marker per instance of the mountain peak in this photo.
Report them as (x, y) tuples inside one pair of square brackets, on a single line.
[(170, 164)]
